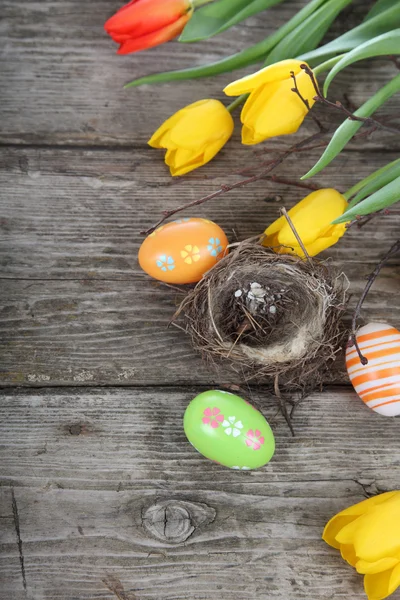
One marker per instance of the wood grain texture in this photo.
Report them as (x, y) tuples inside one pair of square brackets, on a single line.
[(101, 495), (116, 332), (86, 467), (62, 83), (77, 214)]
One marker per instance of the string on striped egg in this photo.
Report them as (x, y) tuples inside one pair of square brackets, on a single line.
[(370, 280)]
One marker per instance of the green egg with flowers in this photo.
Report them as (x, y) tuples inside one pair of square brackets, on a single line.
[(228, 430)]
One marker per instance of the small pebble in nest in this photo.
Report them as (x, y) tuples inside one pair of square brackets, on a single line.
[(273, 318)]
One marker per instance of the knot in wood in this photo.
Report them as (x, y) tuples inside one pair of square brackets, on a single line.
[(76, 429), (174, 521)]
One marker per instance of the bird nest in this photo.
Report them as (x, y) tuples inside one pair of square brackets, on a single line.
[(272, 318)]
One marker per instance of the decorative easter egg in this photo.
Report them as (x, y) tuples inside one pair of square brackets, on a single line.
[(378, 382), (228, 430), (182, 251)]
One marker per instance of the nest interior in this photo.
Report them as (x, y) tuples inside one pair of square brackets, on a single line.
[(272, 318)]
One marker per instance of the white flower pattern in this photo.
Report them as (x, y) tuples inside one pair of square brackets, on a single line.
[(232, 427)]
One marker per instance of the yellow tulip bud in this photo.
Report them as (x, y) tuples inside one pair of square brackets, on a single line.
[(273, 108), (193, 135), (312, 218), (368, 537)]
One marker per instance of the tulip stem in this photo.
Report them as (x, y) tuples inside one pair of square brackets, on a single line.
[(239, 100), (325, 66)]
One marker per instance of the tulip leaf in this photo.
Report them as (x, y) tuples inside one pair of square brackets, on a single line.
[(242, 59), (220, 15), (365, 183), (387, 43), (386, 196), (379, 7), (239, 60), (382, 22), (307, 34), (349, 127), (379, 181)]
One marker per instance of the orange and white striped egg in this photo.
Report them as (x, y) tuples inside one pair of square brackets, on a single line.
[(378, 382)]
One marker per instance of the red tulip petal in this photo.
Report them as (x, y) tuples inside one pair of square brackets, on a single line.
[(142, 17), (154, 39)]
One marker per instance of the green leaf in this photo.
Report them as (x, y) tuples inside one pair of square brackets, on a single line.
[(250, 56), (348, 128), (379, 181), (381, 23), (220, 15), (365, 183), (383, 198), (387, 43), (308, 34), (242, 59), (379, 7)]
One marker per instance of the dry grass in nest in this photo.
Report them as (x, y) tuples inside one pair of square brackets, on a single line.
[(272, 318)]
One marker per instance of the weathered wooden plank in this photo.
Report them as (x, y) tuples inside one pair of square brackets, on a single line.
[(88, 469), (77, 214), (115, 332), (61, 80)]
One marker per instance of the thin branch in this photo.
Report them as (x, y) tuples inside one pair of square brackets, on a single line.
[(371, 278), (306, 102), (339, 106), (296, 235), (227, 188), (267, 166), (395, 61)]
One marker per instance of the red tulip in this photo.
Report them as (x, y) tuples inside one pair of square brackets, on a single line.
[(143, 24)]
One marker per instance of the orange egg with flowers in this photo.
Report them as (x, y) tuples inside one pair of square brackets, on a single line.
[(183, 250)]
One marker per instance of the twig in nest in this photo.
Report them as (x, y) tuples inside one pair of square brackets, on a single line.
[(296, 235), (263, 314), (283, 406), (339, 106), (371, 278)]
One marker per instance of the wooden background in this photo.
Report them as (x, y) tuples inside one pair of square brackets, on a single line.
[(102, 497)]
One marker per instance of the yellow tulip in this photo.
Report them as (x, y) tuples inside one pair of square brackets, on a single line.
[(312, 218), (273, 108), (368, 537), (193, 135)]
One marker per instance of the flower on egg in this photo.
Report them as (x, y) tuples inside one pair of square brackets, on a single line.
[(214, 246), (368, 537), (254, 439), (165, 263), (213, 417), (190, 254), (232, 427)]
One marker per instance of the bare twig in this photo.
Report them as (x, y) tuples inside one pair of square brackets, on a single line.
[(339, 106), (371, 278), (296, 235), (283, 405), (306, 102), (395, 61), (227, 188), (360, 221)]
